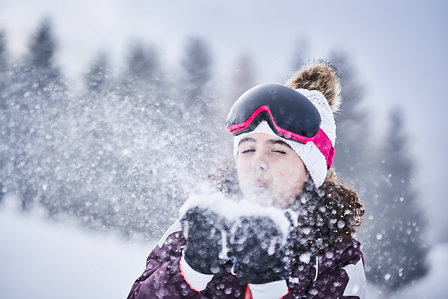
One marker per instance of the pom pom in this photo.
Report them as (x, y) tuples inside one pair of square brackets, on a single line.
[(322, 77)]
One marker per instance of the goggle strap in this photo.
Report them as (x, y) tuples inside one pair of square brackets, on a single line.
[(323, 143)]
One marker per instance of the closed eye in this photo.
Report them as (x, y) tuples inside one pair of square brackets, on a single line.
[(249, 150), (279, 152)]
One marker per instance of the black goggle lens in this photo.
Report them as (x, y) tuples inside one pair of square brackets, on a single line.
[(290, 110)]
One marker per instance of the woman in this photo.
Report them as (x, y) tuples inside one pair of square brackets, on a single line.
[(298, 243)]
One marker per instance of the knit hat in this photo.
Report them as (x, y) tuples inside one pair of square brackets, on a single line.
[(322, 89)]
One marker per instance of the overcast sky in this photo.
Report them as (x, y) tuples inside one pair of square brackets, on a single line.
[(397, 47)]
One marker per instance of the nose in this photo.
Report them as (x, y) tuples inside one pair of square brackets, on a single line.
[(261, 167), (260, 162)]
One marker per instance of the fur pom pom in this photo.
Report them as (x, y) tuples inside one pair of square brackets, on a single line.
[(322, 77)]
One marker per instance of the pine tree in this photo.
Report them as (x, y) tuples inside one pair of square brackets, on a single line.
[(143, 63), (131, 125), (300, 54), (243, 78), (357, 163), (42, 46), (397, 256), (3, 70), (4, 115), (39, 65), (143, 81), (201, 138), (196, 70), (353, 130), (98, 77), (39, 71), (2, 52), (38, 95)]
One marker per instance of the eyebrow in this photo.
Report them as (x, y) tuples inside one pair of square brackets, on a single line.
[(270, 141), (247, 139), (277, 141)]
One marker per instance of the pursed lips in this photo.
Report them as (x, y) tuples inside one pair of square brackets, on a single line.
[(260, 184)]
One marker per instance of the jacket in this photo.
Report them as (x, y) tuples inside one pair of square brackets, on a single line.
[(337, 274)]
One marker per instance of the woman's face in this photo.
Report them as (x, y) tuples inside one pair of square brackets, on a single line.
[(269, 171)]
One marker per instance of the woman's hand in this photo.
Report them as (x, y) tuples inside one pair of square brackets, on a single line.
[(259, 249), (206, 234)]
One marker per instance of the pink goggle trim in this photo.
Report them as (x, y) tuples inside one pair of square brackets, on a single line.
[(321, 139)]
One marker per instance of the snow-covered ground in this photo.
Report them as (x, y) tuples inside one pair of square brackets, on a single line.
[(43, 259)]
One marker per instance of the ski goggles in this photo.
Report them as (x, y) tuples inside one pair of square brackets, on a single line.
[(290, 115)]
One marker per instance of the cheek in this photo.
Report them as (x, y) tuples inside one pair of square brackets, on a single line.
[(241, 167), (243, 173), (291, 177)]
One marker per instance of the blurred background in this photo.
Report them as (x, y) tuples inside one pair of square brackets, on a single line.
[(111, 112)]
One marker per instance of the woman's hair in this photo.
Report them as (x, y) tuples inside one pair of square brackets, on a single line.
[(327, 216)]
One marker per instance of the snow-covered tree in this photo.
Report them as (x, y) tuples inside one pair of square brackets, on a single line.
[(98, 77), (300, 54), (143, 75), (201, 130), (143, 63), (3, 70), (195, 76), (353, 129), (392, 254), (4, 117), (43, 46), (3, 59), (39, 65), (34, 99), (396, 256)]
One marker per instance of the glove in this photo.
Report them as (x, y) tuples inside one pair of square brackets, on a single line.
[(206, 236), (259, 250)]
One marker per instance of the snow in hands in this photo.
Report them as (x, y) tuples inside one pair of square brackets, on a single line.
[(238, 236)]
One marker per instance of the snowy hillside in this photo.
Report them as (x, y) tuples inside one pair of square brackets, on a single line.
[(41, 259)]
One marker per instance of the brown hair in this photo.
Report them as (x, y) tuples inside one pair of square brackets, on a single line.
[(327, 216)]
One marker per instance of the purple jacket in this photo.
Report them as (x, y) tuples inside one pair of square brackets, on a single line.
[(337, 274)]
